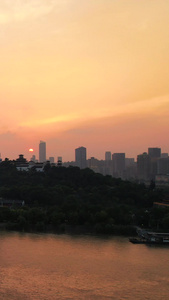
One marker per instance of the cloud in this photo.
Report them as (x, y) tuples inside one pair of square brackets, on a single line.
[(76, 123), (20, 10), (8, 135)]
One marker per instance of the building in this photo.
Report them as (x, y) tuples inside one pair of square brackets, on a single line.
[(164, 155), (129, 162), (52, 159), (108, 164), (130, 169), (143, 166), (42, 151), (21, 163), (162, 180), (118, 162), (80, 157), (93, 164), (59, 161), (107, 155), (33, 158), (155, 154), (163, 166)]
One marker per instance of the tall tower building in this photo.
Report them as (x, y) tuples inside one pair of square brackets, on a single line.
[(155, 154), (80, 157), (143, 166), (42, 151), (108, 163), (118, 164), (107, 155)]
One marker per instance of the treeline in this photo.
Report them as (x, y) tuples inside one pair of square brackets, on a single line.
[(63, 198)]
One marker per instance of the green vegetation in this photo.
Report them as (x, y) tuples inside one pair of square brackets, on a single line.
[(60, 199)]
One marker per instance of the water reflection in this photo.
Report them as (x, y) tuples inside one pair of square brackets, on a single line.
[(47, 266)]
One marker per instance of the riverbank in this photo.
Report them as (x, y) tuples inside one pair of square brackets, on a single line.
[(72, 229)]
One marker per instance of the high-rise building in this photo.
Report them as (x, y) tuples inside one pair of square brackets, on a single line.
[(143, 166), (107, 155), (163, 166), (42, 151), (93, 164), (155, 154), (130, 169), (80, 157), (108, 163), (118, 160), (129, 162)]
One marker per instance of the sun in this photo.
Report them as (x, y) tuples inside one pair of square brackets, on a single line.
[(30, 150)]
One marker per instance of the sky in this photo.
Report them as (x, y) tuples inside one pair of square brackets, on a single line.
[(92, 73)]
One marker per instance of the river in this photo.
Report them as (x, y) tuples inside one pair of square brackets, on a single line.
[(48, 266)]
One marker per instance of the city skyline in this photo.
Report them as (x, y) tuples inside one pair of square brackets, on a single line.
[(150, 165), (51, 153), (81, 153), (86, 72)]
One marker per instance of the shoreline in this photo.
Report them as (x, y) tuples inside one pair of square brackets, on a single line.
[(120, 230)]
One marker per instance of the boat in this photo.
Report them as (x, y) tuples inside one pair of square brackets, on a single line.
[(137, 241), (154, 238)]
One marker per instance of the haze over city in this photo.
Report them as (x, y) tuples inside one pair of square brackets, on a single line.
[(91, 73)]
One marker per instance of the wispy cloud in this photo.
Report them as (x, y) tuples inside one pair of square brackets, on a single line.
[(7, 135), (52, 120), (152, 106), (20, 10)]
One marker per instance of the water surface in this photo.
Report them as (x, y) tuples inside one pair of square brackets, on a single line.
[(47, 266)]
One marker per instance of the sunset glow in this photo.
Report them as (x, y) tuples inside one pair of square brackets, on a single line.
[(91, 73)]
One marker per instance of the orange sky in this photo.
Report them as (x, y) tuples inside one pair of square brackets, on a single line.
[(90, 73)]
